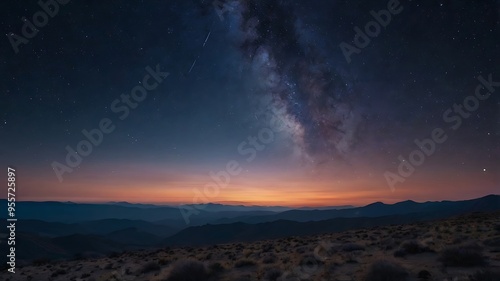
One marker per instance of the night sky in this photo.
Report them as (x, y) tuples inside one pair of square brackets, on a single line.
[(264, 84)]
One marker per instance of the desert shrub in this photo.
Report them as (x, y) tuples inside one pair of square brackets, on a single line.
[(310, 261), (243, 278), (400, 253), (350, 259), (208, 256), (482, 275), (163, 261), (413, 247), (446, 231), (424, 275), (150, 266), (58, 272), (386, 271), (300, 250), (493, 242), (464, 255), (216, 267), (188, 270), (267, 247), (328, 272), (244, 263), (457, 239), (247, 253), (269, 259), (272, 274), (497, 227), (285, 259), (387, 244), (350, 247)]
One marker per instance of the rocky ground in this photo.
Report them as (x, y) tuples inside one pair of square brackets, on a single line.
[(460, 248)]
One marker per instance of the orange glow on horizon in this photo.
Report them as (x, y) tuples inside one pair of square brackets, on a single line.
[(263, 189)]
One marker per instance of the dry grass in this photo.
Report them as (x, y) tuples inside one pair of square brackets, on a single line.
[(188, 270), (386, 271), (463, 255)]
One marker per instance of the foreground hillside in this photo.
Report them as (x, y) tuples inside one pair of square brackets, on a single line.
[(460, 248)]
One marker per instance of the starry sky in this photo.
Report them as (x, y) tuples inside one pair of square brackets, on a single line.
[(261, 89)]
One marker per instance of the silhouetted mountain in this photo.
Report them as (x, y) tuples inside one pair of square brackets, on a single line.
[(69, 212), (487, 203), (78, 243), (139, 205), (38, 239), (31, 247), (326, 208), (411, 212), (79, 213), (54, 229), (212, 207), (133, 236), (111, 225), (73, 212), (243, 232)]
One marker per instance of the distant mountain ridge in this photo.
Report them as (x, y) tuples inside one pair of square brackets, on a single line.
[(97, 227), (377, 209), (376, 214), (244, 232), (216, 207), (69, 212), (84, 229)]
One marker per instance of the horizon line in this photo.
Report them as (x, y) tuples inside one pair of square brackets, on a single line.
[(166, 204)]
